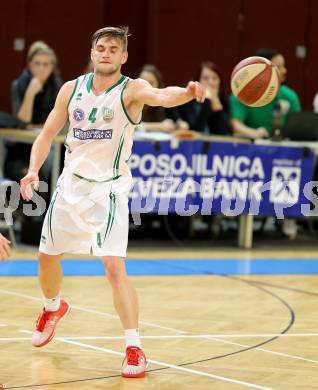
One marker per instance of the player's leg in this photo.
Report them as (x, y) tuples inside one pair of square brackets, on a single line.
[(50, 277), (54, 241), (124, 294), (126, 304), (50, 274)]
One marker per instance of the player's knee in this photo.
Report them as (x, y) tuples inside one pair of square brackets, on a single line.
[(114, 272), (45, 259)]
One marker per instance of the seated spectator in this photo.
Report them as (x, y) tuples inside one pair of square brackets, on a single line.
[(33, 96), (211, 116), (158, 118), (256, 122)]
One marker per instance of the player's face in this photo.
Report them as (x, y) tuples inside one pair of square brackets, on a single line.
[(279, 61), (108, 55), (41, 66), (150, 77), (210, 79)]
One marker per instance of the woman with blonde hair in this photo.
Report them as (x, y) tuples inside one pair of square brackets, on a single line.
[(33, 94), (33, 97)]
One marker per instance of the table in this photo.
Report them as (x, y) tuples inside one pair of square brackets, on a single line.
[(311, 145), (28, 136)]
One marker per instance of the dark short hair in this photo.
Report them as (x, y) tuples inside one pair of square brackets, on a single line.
[(121, 33), (267, 53)]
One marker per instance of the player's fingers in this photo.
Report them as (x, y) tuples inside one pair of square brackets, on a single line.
[(36, 185), (192, 88), (199, 93), (5, 240), (7, 250), (3, 254), (23, 192), (28, 191), (22, 188)]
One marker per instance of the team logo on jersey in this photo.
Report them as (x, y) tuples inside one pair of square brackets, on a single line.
[(90, 134), (108, 114), (79, 96), (78, 114)]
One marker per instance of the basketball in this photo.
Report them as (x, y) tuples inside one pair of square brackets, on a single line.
[(255, 81)]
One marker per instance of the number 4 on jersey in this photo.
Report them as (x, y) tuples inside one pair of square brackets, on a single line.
[(92, 115)]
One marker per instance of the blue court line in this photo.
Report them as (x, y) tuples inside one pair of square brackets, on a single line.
[(94, 267)]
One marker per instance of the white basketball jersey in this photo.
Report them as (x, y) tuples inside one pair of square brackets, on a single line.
[(100, 135)]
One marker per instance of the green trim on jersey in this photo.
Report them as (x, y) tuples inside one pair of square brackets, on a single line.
[(111, 216), (124, 108), (117, 158), (73, 93), (99, 240), (115, 85), (50, 212), (95, 181), (67, 146), (89, 82)]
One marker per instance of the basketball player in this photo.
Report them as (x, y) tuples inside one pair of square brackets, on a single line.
[(89, 209), (4, 248)]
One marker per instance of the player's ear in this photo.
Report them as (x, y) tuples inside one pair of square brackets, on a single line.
[(124, 57), (92, 53)]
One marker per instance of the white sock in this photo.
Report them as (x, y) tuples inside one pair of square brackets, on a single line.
[(132, 338), (52, 304)]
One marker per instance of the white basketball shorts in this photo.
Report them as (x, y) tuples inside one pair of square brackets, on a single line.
[(95, 222)]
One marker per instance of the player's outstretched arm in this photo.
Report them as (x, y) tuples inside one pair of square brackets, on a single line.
[(43, 142), (140, 91)]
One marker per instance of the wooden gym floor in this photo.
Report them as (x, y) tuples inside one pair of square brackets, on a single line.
[(255, 325)]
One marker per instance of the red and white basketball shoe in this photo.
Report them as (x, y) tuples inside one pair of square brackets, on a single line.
[(46, 324), (134, 364)]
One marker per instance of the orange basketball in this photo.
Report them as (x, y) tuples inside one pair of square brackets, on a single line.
[(255, 81)]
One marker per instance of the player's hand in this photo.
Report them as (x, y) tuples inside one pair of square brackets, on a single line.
[(27, 184), (5, 249), (196, 91)]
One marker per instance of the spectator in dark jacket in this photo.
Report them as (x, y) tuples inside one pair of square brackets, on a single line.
[(211, 116), (33, 96)]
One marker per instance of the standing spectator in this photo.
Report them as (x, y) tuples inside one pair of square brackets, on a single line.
[(159, 118), (256, 122), (211, 116)]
